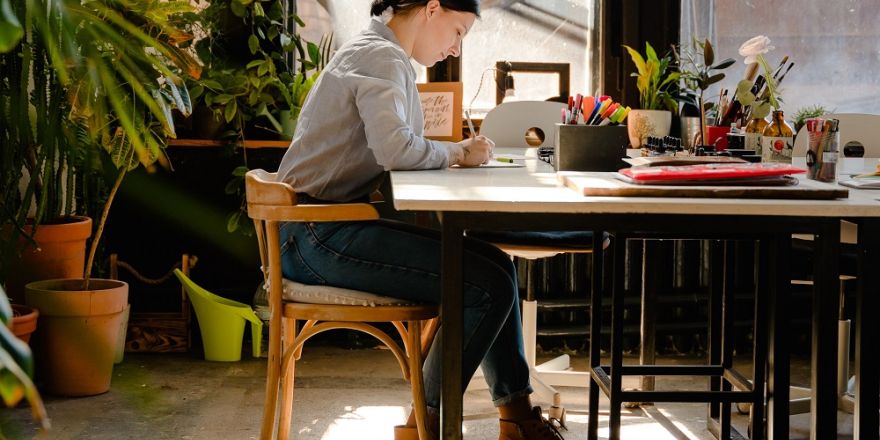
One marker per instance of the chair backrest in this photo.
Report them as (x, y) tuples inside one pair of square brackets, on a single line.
[(270, 202), (859, 127), (508, 123)]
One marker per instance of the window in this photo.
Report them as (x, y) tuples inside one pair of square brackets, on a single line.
[(344, 18), (552, 31), (833, 45)]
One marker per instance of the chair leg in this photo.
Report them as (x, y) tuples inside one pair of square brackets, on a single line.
[(416, 380), (273, 377), (287, 381), (429, 332)]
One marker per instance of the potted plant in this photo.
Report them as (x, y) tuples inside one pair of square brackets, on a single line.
[(698, 72), (655, 78), (115, 72), (245, 54), (16, 361)]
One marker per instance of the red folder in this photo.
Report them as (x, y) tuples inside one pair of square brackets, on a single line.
[(709, 172)]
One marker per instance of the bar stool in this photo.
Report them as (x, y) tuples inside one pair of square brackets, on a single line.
[(720, 396), (531, 246)]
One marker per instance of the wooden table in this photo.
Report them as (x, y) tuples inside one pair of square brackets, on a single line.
[(531, 198)]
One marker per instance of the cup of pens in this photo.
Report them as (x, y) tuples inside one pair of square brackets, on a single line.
[(824, 141)]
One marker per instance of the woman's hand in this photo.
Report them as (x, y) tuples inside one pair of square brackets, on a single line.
[(471, 152)]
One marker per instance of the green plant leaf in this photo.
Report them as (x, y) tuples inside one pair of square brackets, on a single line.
[(747, 98), (254, 63), (253, 44), (314, 53), (743, 87), (761, 110), (212, 84), (299, 21), (238, 9), (286, 42), (263, 69), (637, 59), (232, 187), (650, 53), (240, 171), (11, 31), (714, 79), (724, 64), (232, 221), (258, 10), (11, 388), (18, 350), (708, 53), (5, 308), (223, 98), (229, 113), (196, 92)]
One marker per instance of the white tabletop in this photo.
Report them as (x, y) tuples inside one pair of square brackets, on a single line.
[(536, 188)]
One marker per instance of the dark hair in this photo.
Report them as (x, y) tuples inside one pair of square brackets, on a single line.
[(379, 6)]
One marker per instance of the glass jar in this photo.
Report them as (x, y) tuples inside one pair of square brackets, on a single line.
[(777, 140), (753, 132)]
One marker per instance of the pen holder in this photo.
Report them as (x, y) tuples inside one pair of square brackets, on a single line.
[(822, 156), (590, 147)]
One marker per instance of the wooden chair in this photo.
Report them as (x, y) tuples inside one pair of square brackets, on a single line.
[(270, 203)]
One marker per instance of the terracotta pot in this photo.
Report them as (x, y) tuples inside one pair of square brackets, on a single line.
[(24, 321), (75, 345), (60, 253), (644, 123)]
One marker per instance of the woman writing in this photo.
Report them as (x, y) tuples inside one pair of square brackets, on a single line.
[(362, 119)]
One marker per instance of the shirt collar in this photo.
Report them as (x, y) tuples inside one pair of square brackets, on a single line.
[(385, 32)]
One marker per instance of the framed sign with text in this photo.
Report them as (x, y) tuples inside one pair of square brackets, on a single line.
[(441, 106)]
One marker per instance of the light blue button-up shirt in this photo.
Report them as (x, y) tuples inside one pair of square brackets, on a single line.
[(363, 117)]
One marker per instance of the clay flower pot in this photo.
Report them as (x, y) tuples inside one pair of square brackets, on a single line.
[(75, 345), (24, 321), (60, 252)]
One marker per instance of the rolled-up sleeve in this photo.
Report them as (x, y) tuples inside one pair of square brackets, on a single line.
[(381, 99)]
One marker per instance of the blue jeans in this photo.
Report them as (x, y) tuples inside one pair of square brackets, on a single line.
[(403, 261)]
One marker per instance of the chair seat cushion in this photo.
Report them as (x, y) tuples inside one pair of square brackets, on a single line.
[(566, 239), (313, 294)]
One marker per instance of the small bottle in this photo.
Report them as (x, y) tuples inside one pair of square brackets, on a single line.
[(777, 140), (753, 132)]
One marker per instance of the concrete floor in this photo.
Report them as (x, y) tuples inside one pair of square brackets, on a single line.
[(340, 395)]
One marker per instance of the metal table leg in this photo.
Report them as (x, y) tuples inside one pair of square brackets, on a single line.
[(867, 402), (451, 311)]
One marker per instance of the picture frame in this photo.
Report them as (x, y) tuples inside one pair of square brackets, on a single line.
[(441, 106)]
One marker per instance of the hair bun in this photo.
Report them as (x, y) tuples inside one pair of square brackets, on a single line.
[(379, 6)]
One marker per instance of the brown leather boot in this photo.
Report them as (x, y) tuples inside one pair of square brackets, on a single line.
[(404, 432), (534, 427), (410, 432)]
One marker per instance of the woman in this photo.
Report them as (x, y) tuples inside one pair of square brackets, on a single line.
[(363, 118)]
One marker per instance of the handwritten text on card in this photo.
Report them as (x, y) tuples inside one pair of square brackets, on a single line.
[(437, 108)]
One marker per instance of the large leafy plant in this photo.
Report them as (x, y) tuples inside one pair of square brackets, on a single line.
[(655, 79), (86, 83), (247, 49)]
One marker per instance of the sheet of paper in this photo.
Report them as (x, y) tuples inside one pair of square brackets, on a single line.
[(496, 164)]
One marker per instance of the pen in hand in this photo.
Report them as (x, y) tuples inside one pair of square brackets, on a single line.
[(467, 114)]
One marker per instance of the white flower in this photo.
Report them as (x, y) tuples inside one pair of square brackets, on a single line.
[(754, 47)]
